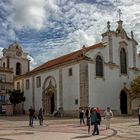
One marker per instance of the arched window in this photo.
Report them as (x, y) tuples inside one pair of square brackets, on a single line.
[(4, 65), (18, 69), (99, 66), (123, 61)]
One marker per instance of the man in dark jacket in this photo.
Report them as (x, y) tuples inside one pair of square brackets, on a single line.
[(31, 116), (99, 118), (87, 114)]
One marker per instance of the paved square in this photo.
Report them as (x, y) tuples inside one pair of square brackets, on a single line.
[(16, 128)]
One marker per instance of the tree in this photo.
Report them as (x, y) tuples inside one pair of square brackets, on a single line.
[(135, 88), (16, 97)]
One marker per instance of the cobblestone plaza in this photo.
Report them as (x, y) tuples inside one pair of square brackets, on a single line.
[(16, 128)]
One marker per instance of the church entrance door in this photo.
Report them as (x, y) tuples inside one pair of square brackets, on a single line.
[(50, 103), (123, 102), (49, 99)]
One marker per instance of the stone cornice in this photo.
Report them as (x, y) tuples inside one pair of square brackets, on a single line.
[(134, 69), (111, 65)]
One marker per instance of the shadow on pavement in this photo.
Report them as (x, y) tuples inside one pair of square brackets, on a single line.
[(106, 137), (83, 136), (113, 134), (6, 139)]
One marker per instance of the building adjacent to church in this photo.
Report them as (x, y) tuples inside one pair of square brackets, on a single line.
[(95, 76), (14, 62)]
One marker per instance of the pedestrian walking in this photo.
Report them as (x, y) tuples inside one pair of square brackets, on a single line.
[(139, 113), (98, 115), (108, 114), (82, 116), (95, 121), (40, 116), (87, 114), (31, 116)]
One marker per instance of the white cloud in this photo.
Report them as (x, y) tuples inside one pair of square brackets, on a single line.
[(51, 5), (29, 13), (89, 21), (81, 23)]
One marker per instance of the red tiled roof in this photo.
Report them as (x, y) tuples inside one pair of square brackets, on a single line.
[(65, 58)]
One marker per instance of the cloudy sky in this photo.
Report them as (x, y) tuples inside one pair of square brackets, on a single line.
[(47, 29)]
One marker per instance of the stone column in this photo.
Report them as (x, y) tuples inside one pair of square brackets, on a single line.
[(61, 92), (84, 92), (60, 88), (110, 43), (134, 55), (134, 49), (110, 47)]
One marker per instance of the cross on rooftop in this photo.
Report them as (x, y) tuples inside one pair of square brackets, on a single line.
[(120, 13)]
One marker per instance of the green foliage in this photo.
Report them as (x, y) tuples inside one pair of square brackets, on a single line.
[(16, 97), (135, 88)]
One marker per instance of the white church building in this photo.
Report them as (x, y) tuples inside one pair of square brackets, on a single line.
[(95, 76)]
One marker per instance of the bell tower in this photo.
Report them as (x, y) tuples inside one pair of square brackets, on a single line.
[(15, 58)]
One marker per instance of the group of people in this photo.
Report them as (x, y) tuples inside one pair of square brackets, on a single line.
[(93, 117), (32, 116)]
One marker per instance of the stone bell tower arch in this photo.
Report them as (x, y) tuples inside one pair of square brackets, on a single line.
[(49, 95)]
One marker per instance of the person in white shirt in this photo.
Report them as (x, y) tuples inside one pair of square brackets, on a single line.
[(108, 114), (139, 113)]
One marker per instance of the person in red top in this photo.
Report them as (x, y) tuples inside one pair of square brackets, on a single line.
[(98, 110)]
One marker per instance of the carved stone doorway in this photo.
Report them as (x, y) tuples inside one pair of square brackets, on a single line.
[(49, 99), (50, 103)]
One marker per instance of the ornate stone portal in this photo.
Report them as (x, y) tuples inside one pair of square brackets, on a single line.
[(49, 97)]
